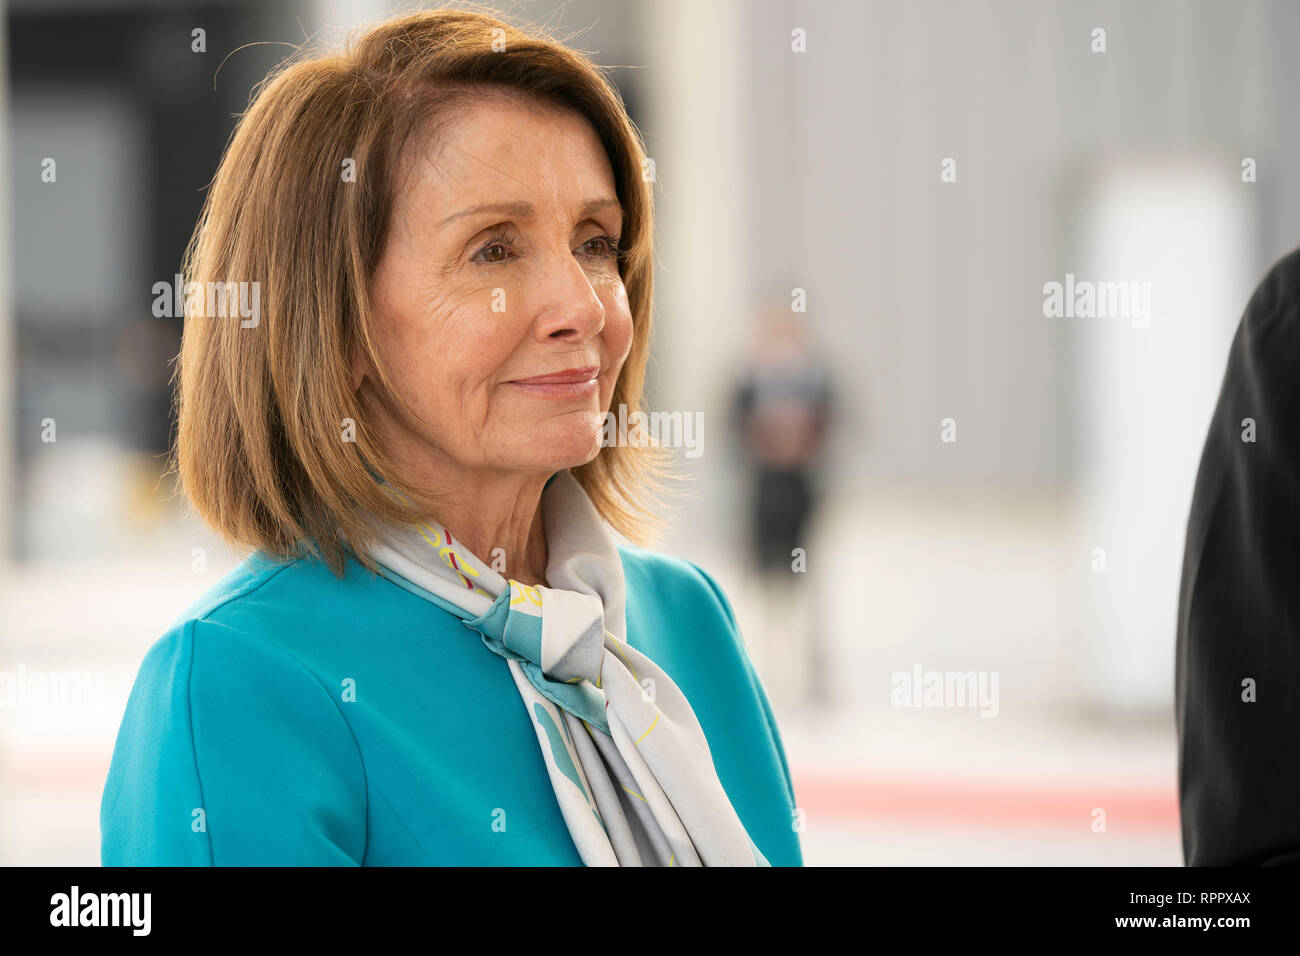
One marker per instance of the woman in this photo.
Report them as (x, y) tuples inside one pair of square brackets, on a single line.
[(451, 240)]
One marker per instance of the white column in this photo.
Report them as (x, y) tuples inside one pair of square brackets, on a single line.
[(695, 135)]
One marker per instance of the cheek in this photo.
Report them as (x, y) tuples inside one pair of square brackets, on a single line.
[(618, 326), (444, 351)]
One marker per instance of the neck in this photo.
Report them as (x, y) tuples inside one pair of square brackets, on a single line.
[(504, 514), (487, 511)]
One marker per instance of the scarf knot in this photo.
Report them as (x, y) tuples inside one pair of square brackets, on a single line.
[(558, 636)]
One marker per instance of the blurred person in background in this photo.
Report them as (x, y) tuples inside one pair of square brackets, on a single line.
[(781, 412)]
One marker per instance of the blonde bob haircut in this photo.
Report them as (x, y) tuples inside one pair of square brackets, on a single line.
[(274, 450)]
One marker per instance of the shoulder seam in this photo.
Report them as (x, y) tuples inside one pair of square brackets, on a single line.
[(244, 591), (187, 636)]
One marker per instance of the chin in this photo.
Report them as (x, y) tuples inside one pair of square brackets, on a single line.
[(558, 449)]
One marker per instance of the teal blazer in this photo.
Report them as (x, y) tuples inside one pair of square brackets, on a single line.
[(292, 718)]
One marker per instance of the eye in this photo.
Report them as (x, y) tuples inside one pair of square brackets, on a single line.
[(497, 249), (600, 247)]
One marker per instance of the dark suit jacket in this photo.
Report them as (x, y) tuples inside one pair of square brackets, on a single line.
[(1239, 606)]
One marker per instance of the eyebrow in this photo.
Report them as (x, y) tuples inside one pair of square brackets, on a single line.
[(526, 210)]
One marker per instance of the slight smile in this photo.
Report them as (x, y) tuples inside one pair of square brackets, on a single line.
[(567, 384)]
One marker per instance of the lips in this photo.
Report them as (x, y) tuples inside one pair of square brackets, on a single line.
[(572, 376)]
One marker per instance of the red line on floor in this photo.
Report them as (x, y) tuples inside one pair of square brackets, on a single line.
[(980, 802)]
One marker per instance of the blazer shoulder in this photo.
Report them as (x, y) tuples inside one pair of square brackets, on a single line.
[(215, 712), (678, 581), (236, 627), (251, 575), (262, 592)]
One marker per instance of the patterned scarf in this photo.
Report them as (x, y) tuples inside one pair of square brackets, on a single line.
[(626, 756)]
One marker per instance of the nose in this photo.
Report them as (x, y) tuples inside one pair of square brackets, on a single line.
[(571, 311)]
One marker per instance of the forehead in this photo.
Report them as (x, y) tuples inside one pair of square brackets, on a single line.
[(499, 146)]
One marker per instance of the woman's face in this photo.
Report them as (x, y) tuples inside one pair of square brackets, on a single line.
[(500, 310)]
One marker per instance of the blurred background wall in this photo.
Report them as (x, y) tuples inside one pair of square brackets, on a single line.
[(1002, 492)]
